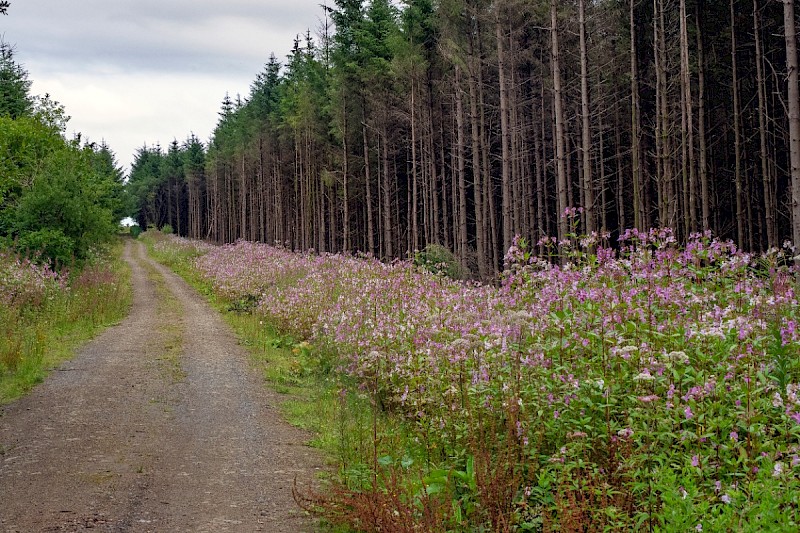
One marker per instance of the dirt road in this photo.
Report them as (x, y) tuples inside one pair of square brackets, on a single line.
[(158, 425)]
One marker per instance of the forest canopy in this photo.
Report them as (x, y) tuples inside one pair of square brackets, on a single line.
[(59, 199), (466, 123)]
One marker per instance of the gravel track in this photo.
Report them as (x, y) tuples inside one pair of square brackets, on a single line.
[(159, 424)]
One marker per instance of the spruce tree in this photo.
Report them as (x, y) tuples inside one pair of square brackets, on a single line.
[(15, 98)]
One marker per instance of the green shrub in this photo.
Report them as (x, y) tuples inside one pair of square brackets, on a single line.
[(135, 231), (50, 243), (65, 211), (437, 259), (166, 229)]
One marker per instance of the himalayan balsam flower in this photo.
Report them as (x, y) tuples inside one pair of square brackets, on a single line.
[(688, 413), (777, 401), (788, 332), (791, 392), (678, 357), (734, 436), (777, 470), (695, 460), (725, 498)]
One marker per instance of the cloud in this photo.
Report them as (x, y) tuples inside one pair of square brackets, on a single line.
[(152, 70), (157, 36), (131, 110)]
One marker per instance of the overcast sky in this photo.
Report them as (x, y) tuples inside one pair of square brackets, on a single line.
[(148, 71)]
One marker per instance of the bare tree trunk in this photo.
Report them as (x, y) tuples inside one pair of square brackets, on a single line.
[(660, 125), (388, 250), (345, 179), (670, 218), (737, 136), (636, 170), (586, 138), (461, 171), (538, 145), (561, 186), (701, 128), (507, 209), (769, 190), (489, 208), (477, 186), (434, 174), (368, 183), (601, 163), (687, 128), (549, 221), (623, 222), (414, 178), (519, 192), (790, 33)]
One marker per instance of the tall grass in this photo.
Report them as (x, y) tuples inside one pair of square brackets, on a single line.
[(46, 315), (645, 387)]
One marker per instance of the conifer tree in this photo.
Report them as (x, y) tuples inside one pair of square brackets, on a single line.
[(15, 98)]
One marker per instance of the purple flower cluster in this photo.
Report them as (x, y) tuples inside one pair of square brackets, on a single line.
[(679, 351), (23, 283)]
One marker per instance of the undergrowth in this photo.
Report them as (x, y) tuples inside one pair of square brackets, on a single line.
[(649, 387), (45, 315)]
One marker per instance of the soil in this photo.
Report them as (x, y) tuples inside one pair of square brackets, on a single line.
[(159, 424)]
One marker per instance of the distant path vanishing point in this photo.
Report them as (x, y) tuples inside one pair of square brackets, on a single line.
[(159, 424)]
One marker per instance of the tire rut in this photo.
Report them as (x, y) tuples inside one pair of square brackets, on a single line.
[(159, 424)]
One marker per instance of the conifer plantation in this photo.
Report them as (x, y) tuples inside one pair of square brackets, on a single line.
[(625, 174), (467, 123)]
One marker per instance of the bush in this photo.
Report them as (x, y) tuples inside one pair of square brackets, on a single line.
[(49, 243), (66, 210), (437, 259), (166, 229), (135, 231)]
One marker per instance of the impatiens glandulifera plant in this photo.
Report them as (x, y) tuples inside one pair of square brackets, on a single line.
[(646, 386)]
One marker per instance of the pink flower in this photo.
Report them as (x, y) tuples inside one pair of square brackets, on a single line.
[(647, 399), (625, 433), (688, 413), (695, 460)]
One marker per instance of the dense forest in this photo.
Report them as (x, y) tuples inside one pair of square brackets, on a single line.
[(59, 198), (466, 123)]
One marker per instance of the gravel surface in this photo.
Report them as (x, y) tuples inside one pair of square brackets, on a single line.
[(159, 424)]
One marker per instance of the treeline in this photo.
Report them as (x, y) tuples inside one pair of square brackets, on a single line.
[(59, 199), (467, 122)]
